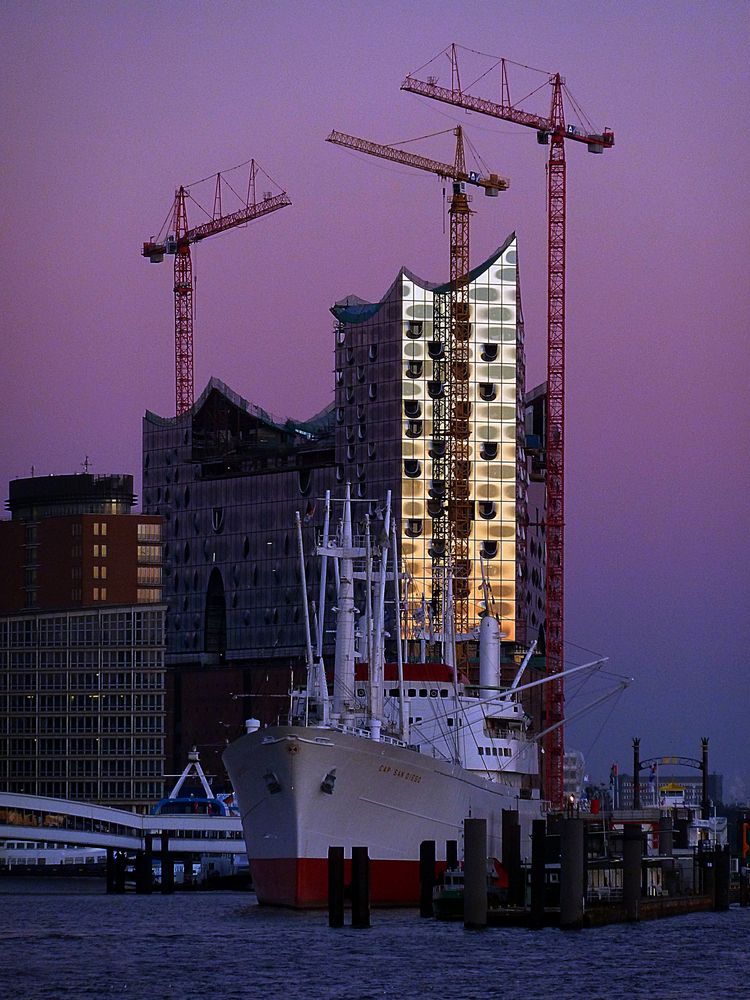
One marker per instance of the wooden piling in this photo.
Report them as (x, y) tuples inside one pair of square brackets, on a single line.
[(511, 859), (572, 871), (360, 887), (451, 854), (111, 874), (120, 871), (722, 868), (335, 886), (167, 866), (538, 871), (426, 876), (632, 858), (475, 873)]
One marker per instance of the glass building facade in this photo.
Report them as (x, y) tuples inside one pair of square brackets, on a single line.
[(82, 705), (388, 355)]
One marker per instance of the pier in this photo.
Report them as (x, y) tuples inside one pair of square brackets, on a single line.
[(132, 840)]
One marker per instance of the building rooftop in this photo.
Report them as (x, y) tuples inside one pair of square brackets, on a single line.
[(82, 493)]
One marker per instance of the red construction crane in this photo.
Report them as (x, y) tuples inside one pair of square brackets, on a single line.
[(552, 131), (451, 527), (177, 242)]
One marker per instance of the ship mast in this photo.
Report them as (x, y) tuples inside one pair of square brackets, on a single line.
[(343, 670)]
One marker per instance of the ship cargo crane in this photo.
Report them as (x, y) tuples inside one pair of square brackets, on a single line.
[(177, 243), (451, 526), (551, 131)]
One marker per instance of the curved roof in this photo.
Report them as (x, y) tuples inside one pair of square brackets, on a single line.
[(319, 423), (353, 309)]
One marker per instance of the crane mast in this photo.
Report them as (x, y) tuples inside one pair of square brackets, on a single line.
[(451, 526), (552, 131), (178, 243), (459, 406), (183, 308)]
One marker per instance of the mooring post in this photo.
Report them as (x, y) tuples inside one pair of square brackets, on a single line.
[(538, 870), (636, 772), (451, 854), (706, 859), (335, 886), (111, 879), (511, 859), (705, 801), (121, 870), (721, 879), (475, 873), (632, 857), (571, 874), (426, 876), (140, 873), (167, 866), (666, 852), (360, 887)]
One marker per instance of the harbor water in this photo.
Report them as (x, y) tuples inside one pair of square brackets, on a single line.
[(64, 938)]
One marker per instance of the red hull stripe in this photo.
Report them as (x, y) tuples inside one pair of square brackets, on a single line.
[(303, 882)]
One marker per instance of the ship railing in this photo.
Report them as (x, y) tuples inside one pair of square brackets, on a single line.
[(604, 894), (367, 735)]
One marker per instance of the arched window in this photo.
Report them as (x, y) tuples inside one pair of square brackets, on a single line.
[(215, 630)]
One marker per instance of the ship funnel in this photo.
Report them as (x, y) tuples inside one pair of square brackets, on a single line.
[(489, 657), (252, 725)]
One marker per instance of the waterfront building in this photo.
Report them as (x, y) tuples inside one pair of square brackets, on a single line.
[(228, 478), (574, 766), (72, 542), (658, 787), (82, 682), (390, 379)]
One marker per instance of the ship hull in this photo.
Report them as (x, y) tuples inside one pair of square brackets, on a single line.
[(302, 790)]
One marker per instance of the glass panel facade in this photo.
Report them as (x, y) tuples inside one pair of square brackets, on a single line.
[(67, 704)]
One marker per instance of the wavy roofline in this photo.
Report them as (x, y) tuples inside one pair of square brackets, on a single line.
[(355, 310)]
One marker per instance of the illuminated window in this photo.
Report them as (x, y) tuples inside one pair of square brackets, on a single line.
[(96, 572), (104, 551), (104, 593), (104, 528), (148, 532), (96, 528), (104, 572), (96, 593)]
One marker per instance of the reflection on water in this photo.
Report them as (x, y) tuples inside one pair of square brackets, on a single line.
[(63, 938)]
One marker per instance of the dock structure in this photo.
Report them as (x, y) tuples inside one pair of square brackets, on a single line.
[(36, 817), (589, 871)]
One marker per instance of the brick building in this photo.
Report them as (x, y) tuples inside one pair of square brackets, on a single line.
[(82, 692)]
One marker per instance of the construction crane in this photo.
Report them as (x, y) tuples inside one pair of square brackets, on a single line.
[(451, 527), (550, 131), (177, 243)]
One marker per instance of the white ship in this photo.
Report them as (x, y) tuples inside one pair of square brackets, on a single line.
[(400, 754)]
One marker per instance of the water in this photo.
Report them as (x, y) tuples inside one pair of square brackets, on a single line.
[(63, 938)]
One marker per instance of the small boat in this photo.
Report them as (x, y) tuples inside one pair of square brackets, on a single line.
[(448, 894)]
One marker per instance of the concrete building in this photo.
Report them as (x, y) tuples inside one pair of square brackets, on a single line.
[(82, 683)]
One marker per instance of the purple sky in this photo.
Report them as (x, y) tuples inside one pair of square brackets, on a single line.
[(108, 106)]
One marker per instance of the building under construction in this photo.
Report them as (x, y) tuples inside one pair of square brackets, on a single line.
[(228, 478)]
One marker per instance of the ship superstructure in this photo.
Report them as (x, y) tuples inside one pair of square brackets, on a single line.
[(398, 753)]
